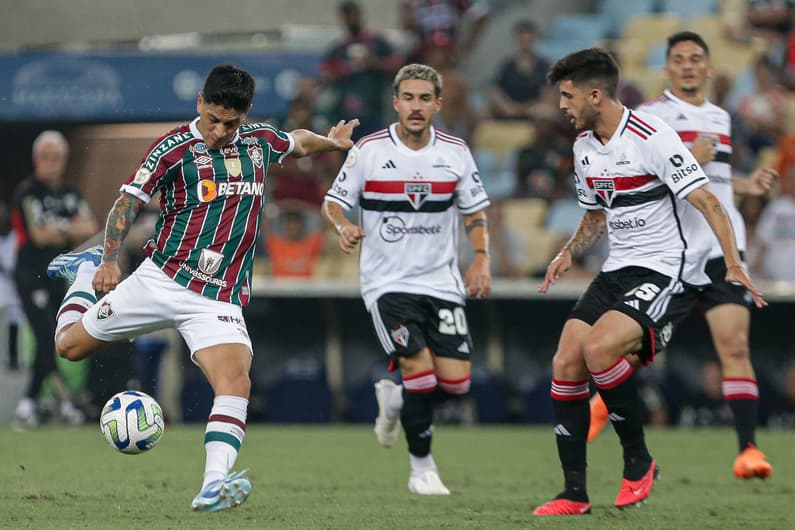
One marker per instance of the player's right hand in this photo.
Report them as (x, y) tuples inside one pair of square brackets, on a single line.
[(350, 234), (556, 268), (703, 149), (107, 276), (737, 275)]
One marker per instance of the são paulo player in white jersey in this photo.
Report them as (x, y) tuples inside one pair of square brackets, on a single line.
[(631, 170), (411, 182), (706, 129)]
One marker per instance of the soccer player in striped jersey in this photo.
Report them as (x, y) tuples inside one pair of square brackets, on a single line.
[(706, 130), (211, 177), (631, 172), (411, 182)]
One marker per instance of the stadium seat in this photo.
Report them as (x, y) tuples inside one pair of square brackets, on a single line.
[(656, 58), (585, 29), (618, 12), (522, 214), (689, 8), (651, 28), (501, 136)]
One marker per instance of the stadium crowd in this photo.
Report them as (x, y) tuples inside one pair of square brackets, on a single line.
[(521, 143)]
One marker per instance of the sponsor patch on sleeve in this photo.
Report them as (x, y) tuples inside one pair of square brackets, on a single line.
[(142, 176)]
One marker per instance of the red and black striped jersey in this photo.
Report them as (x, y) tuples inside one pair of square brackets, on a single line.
[(210, 205), (690, 122), (410, 203), (637, 177)]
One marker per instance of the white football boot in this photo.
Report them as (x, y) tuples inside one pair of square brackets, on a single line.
[(386, 430), (427, 483)]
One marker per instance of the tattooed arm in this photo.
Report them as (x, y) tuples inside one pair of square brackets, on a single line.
[(478, 276), (592, 226), (120, 218)]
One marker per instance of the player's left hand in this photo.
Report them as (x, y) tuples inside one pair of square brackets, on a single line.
[(762, 181), (340, 134), (477, 279), (737, 275)]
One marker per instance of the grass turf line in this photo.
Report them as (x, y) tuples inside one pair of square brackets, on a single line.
[(339, 477)]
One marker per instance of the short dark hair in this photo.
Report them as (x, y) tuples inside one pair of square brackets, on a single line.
[(348, 7), (683, 36), (524, 26), (229, 87), (592, 65)]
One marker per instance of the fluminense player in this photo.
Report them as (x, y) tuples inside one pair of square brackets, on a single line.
[(211, 177), (706, 129), (631, 172), (411, 182)]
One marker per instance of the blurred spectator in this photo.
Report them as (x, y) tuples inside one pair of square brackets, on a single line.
[(776, 232), (302, 179), (722, 87), (520, 78), (705, 407), (358, 69), (454, 25), (293, 244), (49, 218), (457, 116), (9, 299), (544, 167), (764, 112), (782, 410)]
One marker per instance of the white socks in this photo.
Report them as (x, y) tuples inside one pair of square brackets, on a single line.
[(223, 436)]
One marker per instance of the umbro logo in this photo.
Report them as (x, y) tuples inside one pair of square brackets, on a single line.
[(681, 117), (389, 165)]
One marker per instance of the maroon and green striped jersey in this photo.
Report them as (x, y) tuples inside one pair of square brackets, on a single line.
[(210, 205)]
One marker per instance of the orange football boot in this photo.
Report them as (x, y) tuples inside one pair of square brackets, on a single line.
[(634, 492), (752, 463), (563, 507)]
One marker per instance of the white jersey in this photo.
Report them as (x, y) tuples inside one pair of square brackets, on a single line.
[(636, 178), (690, 122), (410, 202)]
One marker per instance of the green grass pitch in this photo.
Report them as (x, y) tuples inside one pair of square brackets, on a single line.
[(339, 478)]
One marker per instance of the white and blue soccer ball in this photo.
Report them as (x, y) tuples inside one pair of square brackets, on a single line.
[(132, 422)]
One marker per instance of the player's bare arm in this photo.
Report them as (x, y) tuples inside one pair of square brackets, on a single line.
[(478, 275), (709, 205), (120, 219), (338, 139), (761, 182), (592, 227), (349, 233)]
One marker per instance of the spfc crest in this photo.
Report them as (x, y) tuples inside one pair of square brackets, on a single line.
[(210, 261), (255, 153), (105, 311), (416, 193), (233, 167), (400, 336), (605, 189)]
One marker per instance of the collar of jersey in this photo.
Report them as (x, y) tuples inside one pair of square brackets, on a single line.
[(403, 147), (195, 132), (604, 148)]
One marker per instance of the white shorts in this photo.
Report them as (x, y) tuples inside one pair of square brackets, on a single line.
[(149, 300)]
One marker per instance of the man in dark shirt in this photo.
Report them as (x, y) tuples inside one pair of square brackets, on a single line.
[(521, 77), (48, 218)]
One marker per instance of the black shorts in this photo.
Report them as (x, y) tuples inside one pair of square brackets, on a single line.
[(407, 323), (652, 299), (719, 292)]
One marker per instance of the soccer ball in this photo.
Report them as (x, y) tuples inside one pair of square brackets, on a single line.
[(132, 422)]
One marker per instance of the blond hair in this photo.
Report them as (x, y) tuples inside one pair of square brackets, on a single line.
[(419, 71)]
